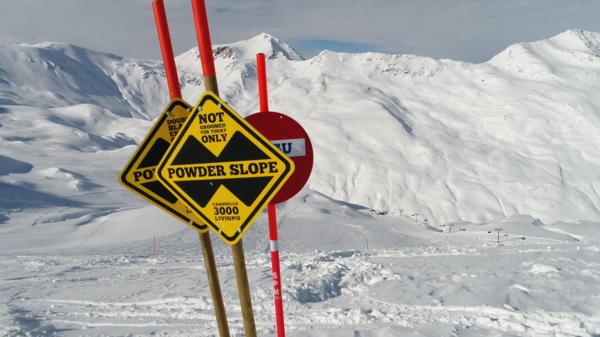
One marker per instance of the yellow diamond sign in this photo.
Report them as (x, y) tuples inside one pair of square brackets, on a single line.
[(223, 169), (139, 175)]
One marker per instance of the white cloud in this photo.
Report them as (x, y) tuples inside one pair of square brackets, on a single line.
[(471, 30)]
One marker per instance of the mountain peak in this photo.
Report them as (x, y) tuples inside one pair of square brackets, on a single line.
[(578, 40), (265, 43), (541, 59), (245, 51)]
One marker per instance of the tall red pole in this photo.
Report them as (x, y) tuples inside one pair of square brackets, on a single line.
[(210, 83), (160, 16), (162, 26), (205, 46), (261, 69)]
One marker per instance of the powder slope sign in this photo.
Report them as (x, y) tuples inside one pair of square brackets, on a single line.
[(223, 169), (139, 175)]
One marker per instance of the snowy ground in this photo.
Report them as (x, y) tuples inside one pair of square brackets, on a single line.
[(412, 281)]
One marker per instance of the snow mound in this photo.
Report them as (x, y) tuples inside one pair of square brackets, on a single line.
[(330, 275), (580, 230), (542, 269), (72, 180)]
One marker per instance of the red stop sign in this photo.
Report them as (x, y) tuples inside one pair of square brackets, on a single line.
[(285, 133)]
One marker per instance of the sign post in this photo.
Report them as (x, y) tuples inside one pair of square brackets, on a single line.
[(226, 172), (293, 141), (162, 27), (261, 69), (212, 169), (251, 147)]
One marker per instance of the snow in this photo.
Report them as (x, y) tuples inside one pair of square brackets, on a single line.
[(447, 198), (443, 286)]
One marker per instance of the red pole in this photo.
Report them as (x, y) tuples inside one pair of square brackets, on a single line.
[(261, 70), (162, 26), (204, 45)]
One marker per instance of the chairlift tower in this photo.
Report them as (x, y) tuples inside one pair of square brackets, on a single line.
[(498, 230)]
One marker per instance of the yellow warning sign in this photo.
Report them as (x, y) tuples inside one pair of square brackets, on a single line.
[(139, 175), (223, 169)]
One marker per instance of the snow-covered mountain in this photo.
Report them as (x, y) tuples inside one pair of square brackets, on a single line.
[(56, 74), (399, 134)]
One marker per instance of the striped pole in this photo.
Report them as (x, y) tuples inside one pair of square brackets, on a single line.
[(261, 69)]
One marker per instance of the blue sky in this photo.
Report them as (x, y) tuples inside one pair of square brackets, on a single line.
[(467, 30)]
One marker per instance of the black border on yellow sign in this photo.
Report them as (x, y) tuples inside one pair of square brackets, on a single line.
[(246, 126), (122, 178)]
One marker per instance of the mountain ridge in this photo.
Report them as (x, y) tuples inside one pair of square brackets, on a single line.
[(401, 134)]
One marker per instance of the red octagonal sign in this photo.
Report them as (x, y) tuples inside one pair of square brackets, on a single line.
[(289, 136)]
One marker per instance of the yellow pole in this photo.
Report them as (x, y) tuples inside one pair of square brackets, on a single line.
[(241, 276), (213, 282)]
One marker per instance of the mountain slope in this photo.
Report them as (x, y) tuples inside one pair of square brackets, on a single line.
[(445, 139), (402, 134), (56, 74)]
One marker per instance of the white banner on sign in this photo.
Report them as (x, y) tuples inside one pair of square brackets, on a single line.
[(291, 147)]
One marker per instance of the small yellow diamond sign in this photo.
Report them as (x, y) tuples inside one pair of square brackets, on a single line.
[(223, 169), (139, 175)]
